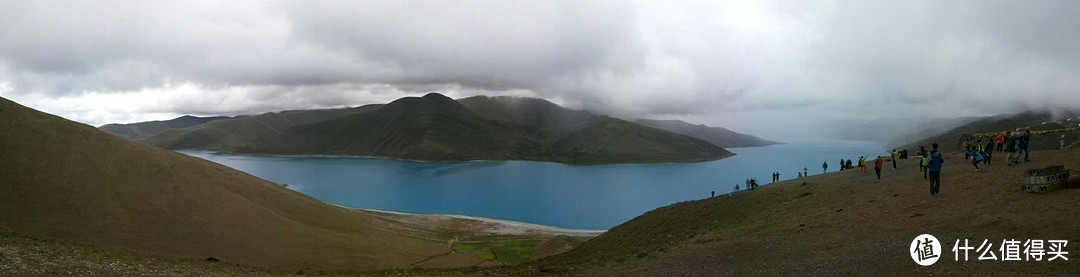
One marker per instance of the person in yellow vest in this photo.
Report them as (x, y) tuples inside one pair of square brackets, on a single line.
[(924, 163)]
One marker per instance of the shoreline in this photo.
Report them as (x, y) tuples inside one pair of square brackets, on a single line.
[(489, 225), (213, 152)]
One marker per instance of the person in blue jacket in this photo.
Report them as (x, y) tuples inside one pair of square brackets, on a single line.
[(976, 158), (936, 161)]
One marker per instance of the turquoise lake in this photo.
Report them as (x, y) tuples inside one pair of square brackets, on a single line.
[(580, 197)]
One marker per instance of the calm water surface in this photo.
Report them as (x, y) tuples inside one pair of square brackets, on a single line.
[(584, 197)]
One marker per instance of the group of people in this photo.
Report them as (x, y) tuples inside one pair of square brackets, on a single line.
[(930, 161), (845, 164), (1016, 144), (751, 184)]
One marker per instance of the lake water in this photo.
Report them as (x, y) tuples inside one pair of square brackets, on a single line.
[(581, 197)]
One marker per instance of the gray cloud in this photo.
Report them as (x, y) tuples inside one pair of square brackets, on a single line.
[(775, 68)]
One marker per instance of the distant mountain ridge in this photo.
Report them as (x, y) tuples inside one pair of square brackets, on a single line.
[(134, 131), (438, 128), (717, 136)]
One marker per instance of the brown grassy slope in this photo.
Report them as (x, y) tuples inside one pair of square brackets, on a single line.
[(63, 179), (843, 223)]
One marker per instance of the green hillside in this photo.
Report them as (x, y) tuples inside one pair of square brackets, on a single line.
[(538, 118), (224, 135), (717, 136), (432, 127), (140, 130)]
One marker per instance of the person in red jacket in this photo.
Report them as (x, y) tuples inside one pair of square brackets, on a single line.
[(877, 166), (1000, 142)]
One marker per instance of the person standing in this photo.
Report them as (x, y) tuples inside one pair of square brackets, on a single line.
[(936, 162), (1027, 144), (1021, 145), (804, 172), (1010, 147), (877, 166), (824, 167), (1000, 142), (895, 155), (862, 163), (925, 164), (841, 164), (989, 152)]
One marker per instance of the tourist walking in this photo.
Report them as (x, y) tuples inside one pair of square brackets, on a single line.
[(877, 166), (989, 152), (935, 170), (824, 167)]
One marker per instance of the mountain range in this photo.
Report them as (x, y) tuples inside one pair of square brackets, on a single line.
[(437, 128)]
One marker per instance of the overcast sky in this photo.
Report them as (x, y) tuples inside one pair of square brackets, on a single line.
[(776, 69)]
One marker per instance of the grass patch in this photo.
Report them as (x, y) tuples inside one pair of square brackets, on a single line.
[(514, 251), (480, 250), (507, 251)]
